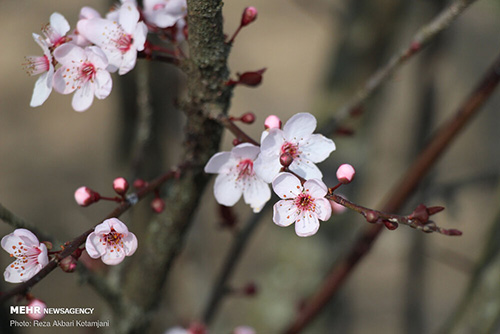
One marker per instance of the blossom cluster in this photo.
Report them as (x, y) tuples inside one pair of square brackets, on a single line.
[(111, 241), (285, 156), (80, 61)]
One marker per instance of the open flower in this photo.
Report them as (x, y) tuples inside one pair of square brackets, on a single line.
[(303, 205), (55, 32), (119, 39), (41, 65), (237, 177), (31, 255), (82, 71), (297, 141), (111, 241)]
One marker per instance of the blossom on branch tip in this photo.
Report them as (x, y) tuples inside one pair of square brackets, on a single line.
[(111, 241), (345, 173), (237, 177), (119, 39), (297, 140), (41, 65), (120, 185), (82, 71), (55, 32), (249, 15), (85, 196), (31, 255), (303, 205)]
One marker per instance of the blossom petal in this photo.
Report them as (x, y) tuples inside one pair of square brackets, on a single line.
[(323, 209), (127, 62), (59, 23), (285, 213), (104, 84), (305, 168), (129, 244), (117, 225), (271, 144), (245, 151), (267, 167), (287, 186), (113, 256), (140, 34), (88, 13), (128, 16), (317, 148), (256, 193), (68, 54), (94, 245), (316, 188), (307, 224), (219, 163), (299, 126), (96, 56), (226, 190), (83, 97), (43, 88)]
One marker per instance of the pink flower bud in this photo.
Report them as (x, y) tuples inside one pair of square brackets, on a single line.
[(36, 310), (68, 264), (249, 15), (158, 205), (120, 185), (139, 184), (345, 173), (248, 118), (286, 159), (85, 196), (272, 122)]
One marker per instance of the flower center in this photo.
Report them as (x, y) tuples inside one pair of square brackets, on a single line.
[(87, 72), (113, 238), (245, 168), (124, 42), (290, 148), (305, 202)]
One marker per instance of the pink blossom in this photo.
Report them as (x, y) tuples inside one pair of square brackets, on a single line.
[(41, 65), (55, 32), (120, 185), (303, 205), (82, 71), (86, 13), (297, 140), (244, 330), (37, 309), (31, 255), (120, 39), (165, 13), (237, 177), (345, 173), (111, 241), (272, 122)]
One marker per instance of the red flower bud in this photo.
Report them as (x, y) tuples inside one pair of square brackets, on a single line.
[(390, 225), (286, 159), (68, 264), (158, 205), (251, 79), (248, 118), (249, 15), (139, 184)]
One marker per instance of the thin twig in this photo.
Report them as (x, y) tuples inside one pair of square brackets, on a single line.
[(17, 222), (422, 38), (400, 193), (220, 288)]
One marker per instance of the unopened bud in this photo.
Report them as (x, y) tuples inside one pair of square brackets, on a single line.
[(197, 328), (139, 184), (272, 122), (434, 209), (420, 214), (36, 309), (249, 15), (68, 264), (251, 79), (371, 217), (120, 185), (286, 159), (345, 173), (391, 225), (248, 118), (85, 196), (158, 205)]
